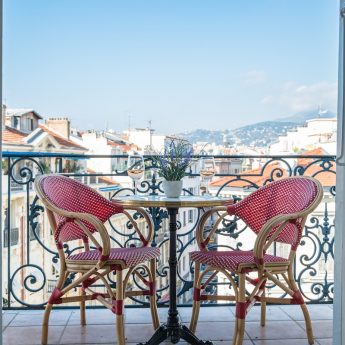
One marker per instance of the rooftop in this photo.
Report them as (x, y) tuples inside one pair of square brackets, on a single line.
[(12, 135), (21, 112), (285, 326)]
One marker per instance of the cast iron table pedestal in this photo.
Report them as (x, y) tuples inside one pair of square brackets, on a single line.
[(173, 330)]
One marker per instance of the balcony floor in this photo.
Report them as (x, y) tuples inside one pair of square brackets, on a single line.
[(284, 326)]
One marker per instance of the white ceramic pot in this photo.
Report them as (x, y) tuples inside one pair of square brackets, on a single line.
[(172, 189)]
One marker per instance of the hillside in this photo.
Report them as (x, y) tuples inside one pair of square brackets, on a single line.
[(260, 134)]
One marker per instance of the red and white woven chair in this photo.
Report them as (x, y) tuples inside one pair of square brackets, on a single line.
[(276, 212), (76, 212)]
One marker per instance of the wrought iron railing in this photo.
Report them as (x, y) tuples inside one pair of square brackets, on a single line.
[(30, 262)]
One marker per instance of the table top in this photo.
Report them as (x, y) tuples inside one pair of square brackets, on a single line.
[(163, 201)]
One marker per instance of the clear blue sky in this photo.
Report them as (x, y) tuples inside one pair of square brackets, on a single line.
[(183, 64)]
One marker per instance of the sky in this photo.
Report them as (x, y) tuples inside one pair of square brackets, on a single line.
[(182, 64)]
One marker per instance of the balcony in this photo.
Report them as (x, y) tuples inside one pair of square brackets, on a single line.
[(285, 326), (30, 264)]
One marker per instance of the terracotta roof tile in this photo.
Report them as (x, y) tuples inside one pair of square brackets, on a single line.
[(61, 140), (319, 151), (12, 135), (124, 147), (258, 177), (102, 179), (316, 152), (326, 177)]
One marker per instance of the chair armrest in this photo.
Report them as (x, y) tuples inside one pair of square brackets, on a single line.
[(145, 239), (201, 241), (263, 241), (78, 217)]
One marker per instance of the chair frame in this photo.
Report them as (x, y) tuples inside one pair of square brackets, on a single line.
[(265, 271), (90, 272)]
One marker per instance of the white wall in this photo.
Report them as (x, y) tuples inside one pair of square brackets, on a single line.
[(316, 133)]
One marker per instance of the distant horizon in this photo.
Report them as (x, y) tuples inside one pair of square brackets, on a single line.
[(284, 119), (181, 65)]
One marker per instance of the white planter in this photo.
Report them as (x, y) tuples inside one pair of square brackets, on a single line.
[(172, 189)]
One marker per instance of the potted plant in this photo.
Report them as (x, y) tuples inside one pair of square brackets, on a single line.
[(172, 165)]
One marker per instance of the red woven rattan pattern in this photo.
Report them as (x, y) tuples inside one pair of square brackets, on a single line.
[(129, 256), (73, 196), (230, 260), (281, 197)]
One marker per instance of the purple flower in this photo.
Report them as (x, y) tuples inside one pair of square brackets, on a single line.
[(175, 160)]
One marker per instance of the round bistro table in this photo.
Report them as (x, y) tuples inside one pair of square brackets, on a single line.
[(173, 330)]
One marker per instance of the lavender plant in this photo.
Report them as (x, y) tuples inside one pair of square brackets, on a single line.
[(175, 159)]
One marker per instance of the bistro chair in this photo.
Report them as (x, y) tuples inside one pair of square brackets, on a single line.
[(76, 212), (276, 212)]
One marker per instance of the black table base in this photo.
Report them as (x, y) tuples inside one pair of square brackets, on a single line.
[(173, 330), (174, 334)]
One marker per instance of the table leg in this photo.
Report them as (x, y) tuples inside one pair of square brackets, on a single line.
[(173, 317), (173, 329)]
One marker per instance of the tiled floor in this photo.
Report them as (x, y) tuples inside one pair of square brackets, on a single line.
[(284, 326)]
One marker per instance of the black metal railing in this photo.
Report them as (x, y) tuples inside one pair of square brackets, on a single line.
[(32, 260)]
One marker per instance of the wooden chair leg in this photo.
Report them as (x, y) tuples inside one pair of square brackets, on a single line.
[(120, 330), (195, 316), (49, 306), (240, 331), (308, 324), (196, 304), (234, 341), (120, 326), (82, 310), (240, 309), (263, 311), (45, 325), (294, 287), (153, 298)]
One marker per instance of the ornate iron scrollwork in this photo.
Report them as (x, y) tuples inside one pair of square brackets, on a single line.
[(317, 245)]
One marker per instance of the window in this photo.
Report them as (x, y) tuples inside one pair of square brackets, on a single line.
[(190, 216), (30, 124), (16, 122), (51, 284), (184, 218), (14, 237)]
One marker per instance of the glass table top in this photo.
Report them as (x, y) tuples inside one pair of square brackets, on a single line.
[(182, 201)]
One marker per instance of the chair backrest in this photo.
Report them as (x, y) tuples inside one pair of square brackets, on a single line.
[(61, 193), (286, 196)]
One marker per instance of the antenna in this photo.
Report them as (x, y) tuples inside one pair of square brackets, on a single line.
[(321, 111), (129, 122), (150, 123)]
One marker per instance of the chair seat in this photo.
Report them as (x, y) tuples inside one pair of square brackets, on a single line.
[(129, 257), (231, 260)]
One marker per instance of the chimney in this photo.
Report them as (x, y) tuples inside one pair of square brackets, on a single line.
[(60, 125)]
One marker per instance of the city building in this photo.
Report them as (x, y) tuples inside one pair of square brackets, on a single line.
[(318, 132)]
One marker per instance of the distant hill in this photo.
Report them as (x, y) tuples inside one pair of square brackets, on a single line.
[(260, 134), (304, 116)]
